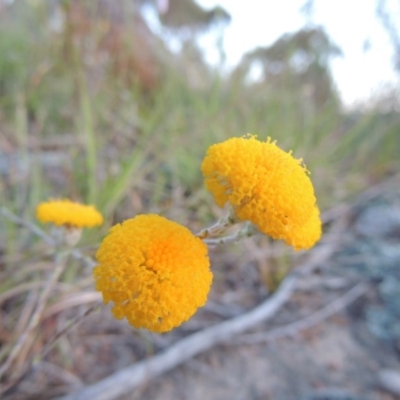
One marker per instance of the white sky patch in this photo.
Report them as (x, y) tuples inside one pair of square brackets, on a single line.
[(366, 65), (253, 25), (364, 70)]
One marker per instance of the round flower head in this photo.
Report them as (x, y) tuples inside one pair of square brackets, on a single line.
[(66, 212), (155, 271), (308, 234), (264, 185)]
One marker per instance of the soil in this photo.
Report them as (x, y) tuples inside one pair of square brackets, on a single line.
[(339, 358)]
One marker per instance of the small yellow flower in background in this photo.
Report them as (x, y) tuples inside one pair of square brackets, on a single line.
[(264, 185), (68, 213), (155, 271)]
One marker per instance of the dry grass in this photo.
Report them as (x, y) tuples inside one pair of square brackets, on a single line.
[(97, 112)]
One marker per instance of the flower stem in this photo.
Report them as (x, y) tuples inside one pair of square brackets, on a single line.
[(220, 226), (247, 231)]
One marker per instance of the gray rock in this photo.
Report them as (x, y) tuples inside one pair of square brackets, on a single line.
[(333, 394), (389, 379), (379, 221)]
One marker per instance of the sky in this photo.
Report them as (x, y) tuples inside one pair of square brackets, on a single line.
[(351, 24), (364, 69)]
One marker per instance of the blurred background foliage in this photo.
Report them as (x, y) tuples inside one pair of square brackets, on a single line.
[(96, 107)]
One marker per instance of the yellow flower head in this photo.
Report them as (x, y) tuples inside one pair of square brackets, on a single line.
[(264, 185), (155, 271), (66, 212)]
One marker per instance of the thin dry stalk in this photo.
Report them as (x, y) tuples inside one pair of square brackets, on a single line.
[(74, 300), (26, 312), (294, 328), (22, 324), (31, 367), (127, 379), (27, 337), (24, 287), (22, 346), (67, 328)]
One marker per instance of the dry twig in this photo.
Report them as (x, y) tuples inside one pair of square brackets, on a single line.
[(304, 323), (74, 300), (31, 367), (24, 341), (129, 378)]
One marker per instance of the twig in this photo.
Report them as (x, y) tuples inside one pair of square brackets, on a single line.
[(32, 227), (20, 327), (26, 338), (59, 373), (38, 359), (75, 299), (24, 287), (125, 380), (67, 328), (304, 323)]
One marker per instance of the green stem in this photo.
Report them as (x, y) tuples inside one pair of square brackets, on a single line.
[(87, 126)]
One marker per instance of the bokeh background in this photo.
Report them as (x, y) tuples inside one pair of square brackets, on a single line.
[(114, 103)]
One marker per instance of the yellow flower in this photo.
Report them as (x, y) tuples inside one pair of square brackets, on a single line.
[(308, 234), (155, 271), (264, 185), (69, 213)]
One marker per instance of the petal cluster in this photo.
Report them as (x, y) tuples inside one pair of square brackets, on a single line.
[(66, 212), (155, 271), (264, 185)]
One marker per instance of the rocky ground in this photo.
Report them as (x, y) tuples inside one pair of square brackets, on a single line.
[(352, 354)]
